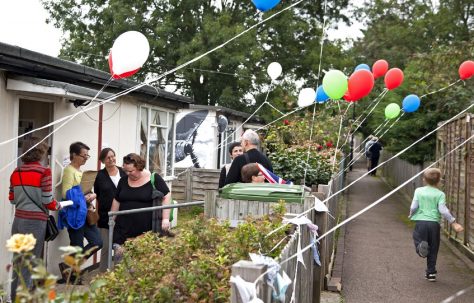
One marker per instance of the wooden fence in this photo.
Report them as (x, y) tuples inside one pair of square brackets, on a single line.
[(458, 177), (192, 183), (398, 171), (310, 280)]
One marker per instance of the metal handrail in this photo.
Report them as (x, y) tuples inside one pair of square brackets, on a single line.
[(134, 211)]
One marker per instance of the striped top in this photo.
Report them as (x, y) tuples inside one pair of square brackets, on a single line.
[(37, 182)]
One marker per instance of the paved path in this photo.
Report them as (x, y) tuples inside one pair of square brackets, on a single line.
[(380, 263)]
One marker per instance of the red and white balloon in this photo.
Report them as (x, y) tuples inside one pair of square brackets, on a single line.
[(128, 54)]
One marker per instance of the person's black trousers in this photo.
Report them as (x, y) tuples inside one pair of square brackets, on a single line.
[(428, 231)]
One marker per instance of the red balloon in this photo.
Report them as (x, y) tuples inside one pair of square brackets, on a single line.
[(379, 68), (360, 84), (466, 70), (393, 78), (347, 96)]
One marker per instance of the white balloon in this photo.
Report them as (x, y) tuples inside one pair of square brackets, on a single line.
[(129, 52), (306, 97), (274, 70)]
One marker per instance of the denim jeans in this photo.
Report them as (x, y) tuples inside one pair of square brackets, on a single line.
[(92, 235)]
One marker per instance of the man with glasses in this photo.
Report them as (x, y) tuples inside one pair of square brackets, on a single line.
[(249, 143)]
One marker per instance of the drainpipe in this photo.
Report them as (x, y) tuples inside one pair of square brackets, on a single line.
[(99, 148)]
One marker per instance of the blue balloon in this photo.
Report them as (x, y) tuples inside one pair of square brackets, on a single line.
[(321, 96), (362, 66), (411, 103), (265, 5)]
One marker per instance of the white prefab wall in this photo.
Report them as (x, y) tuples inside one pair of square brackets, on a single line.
[(8, 129), (119, 131)]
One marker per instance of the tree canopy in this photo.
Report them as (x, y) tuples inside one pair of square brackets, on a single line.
[(428, 42), (180, 30)]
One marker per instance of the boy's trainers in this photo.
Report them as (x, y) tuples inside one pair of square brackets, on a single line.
[(423, 249), (430, 277)]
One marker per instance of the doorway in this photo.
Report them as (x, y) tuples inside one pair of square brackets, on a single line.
[(32, 115)]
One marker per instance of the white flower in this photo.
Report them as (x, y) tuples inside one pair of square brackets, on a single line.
[(19, 243)]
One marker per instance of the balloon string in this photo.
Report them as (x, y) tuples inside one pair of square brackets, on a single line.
[(350, 132), (378, 139), (375, 133), (386, 161), (323, 33), (274, 107), (441, 89), (382, 95), (138, 86), (366, 208), (367, 108), (56, 129)]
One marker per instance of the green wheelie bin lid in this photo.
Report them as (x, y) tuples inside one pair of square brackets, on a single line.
[(266, 192)]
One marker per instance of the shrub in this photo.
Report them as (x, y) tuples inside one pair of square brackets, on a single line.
[(194, 266)]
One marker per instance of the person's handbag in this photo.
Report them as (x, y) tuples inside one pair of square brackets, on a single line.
[(92, 216), (52, 230)]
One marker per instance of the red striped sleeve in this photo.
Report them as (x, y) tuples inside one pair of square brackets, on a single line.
[(46, 181)]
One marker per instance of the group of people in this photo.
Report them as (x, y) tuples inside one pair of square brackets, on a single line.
[(245, 156), (115, 188), (130, 187)]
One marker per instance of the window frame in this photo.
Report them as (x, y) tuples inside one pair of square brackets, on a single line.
[(164, 125)]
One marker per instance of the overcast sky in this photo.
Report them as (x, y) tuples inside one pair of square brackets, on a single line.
[(23, 23)]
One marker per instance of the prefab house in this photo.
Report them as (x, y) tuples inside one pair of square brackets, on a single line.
[(37, 91)]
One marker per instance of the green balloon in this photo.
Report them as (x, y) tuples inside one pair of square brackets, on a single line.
[(335, 84), (392, 111)]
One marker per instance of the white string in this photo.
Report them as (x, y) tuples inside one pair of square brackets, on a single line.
[(375, 133), (147, 82), (354, 160), (382, 95), (383, 163), (56, 129), (441, 89), (369, 206), (323, 34)]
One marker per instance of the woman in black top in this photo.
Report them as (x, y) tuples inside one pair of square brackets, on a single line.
[(234, 150), (135, 192), (105, 186)]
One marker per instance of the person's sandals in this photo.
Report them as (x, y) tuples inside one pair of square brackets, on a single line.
[(423, 249)]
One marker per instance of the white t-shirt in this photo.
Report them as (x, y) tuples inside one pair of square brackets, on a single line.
[(115, 179)]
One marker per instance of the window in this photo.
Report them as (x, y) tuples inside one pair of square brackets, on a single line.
[(227, 137), (157, 139)]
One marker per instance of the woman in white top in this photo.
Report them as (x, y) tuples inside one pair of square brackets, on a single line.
[(105, 186)]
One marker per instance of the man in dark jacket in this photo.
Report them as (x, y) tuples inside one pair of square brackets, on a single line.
[(374, 150), (249, 142)]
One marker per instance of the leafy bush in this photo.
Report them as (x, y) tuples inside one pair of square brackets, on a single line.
[(290, 164), (194, 266), (288, 144)]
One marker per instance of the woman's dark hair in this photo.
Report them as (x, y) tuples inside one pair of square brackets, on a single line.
[(36, 153), (248, 171), (136, 160), (232, 146), (104, 152), (76, 147)]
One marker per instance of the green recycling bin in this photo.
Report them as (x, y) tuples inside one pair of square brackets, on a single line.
[(266, 192)]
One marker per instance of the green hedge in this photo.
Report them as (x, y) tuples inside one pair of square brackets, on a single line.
[(194, 266)]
